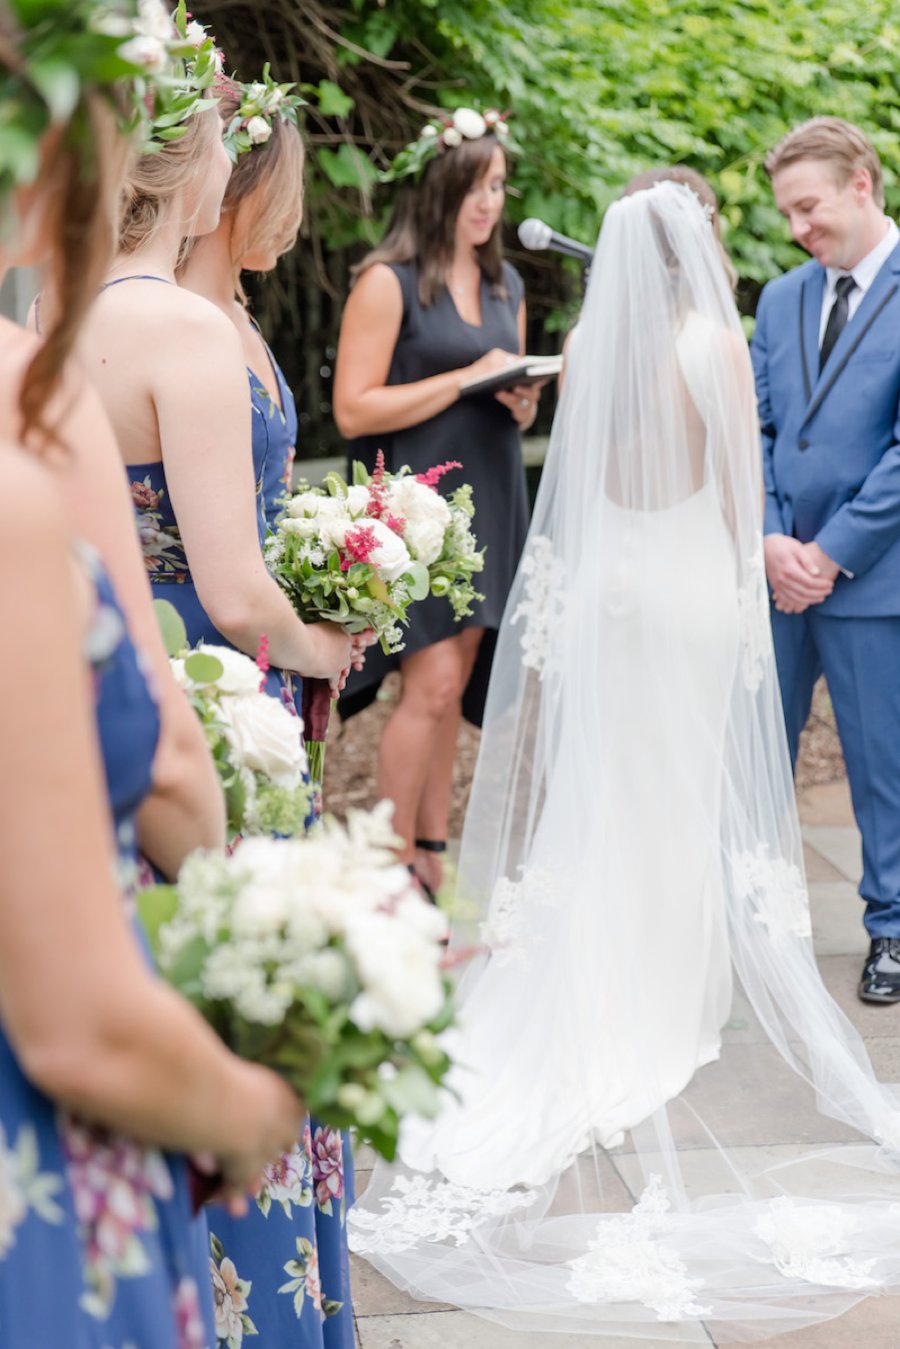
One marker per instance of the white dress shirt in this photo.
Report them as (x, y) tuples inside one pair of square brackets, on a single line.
[(864, 273)]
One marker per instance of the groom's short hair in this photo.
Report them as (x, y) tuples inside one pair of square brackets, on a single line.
[(833, 141)]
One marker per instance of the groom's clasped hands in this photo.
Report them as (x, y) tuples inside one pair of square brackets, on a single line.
[(800, 574)]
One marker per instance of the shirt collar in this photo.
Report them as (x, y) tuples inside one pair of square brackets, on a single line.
[(866, 270)]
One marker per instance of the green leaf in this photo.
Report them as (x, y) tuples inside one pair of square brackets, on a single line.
[(419, 580), (156, 906), (171, 625), (333, 102), (202, 668)]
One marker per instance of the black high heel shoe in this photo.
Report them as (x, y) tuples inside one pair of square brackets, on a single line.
[(437, 845)]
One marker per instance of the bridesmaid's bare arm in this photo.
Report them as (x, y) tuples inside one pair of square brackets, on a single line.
[(90, 1023)]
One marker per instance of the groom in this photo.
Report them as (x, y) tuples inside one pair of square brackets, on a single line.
[(826, 353)]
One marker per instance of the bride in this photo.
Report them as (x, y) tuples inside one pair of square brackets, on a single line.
[(646, 1016)]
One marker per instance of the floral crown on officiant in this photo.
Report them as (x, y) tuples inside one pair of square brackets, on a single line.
[(261, 102), (464, 124)]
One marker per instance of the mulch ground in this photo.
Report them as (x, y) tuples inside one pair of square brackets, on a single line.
[(350, 762)]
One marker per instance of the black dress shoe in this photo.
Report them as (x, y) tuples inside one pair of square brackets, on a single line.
[(880, 980)]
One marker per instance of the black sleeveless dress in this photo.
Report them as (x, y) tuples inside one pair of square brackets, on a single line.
[(481, 434)]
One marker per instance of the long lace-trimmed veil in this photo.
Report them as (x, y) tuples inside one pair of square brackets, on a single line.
[(647, 1026)]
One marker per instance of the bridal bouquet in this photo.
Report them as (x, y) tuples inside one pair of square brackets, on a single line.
[(318, 958), (359, 554), (255, 740)]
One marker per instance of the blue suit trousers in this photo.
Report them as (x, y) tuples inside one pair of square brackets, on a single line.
[(860, 658)]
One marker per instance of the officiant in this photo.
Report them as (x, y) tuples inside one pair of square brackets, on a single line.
[(434, 306)]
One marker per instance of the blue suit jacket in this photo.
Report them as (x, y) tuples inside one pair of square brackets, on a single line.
[(831, 444)]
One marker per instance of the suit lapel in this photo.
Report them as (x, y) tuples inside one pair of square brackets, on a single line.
[(876, 298), (810, 314)]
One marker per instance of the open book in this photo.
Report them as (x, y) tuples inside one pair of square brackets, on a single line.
[(525, 370)]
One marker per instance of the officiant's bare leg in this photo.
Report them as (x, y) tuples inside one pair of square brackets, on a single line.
[(433, 682), (434, 805)]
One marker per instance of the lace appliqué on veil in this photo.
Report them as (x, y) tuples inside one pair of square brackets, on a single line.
[(428, 1210), (775, 888), (626, 1262), (754, 624), (510, 913), (543, 603), (809, 1242)]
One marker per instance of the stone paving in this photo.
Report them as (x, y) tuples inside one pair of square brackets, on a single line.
[(388, 1319)]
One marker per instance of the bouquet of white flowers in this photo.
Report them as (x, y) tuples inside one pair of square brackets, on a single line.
[(359, 555), (318, 958), (255, 740)]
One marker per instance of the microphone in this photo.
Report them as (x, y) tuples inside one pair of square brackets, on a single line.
[(535, 234)]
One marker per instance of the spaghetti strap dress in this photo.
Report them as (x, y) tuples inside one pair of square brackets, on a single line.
[(282, 1272), (477, 432), (99, 1248)]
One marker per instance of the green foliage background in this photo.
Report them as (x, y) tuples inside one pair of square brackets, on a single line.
[(599, 89)]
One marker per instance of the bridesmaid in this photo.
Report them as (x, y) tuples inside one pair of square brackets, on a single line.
[(170, 372), (260, 219), (105, 1215)]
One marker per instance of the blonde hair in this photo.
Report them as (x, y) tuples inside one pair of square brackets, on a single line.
[(834, 142), (277, 168), (156, 179)]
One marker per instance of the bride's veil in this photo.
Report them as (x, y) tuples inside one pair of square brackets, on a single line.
[(662, 1121)]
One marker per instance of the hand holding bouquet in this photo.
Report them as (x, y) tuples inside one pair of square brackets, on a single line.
[(360, 554), (318, 958)]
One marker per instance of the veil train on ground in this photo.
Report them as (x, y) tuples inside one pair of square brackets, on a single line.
[(646, 1004)]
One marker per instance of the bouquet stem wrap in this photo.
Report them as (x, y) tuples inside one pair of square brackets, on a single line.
[(316, 704)]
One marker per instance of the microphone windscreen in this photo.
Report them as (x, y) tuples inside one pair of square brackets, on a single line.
[(534, 233)]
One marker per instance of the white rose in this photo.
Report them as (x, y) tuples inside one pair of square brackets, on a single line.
[(398, 970), (428, 132), (265, 737), (255, 91), (147, 52), (259, 130), (426, 540), (153, 20), (390, 555), (275, 98), (180, 674), (112, 25), (304, 527), (414, 501), (469, 123), (358, 499), (424, 918), (240, 674), (452, 137)]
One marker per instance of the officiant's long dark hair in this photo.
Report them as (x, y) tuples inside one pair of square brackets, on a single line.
[(422, 226)]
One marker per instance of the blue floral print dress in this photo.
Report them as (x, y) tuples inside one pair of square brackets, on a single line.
[(98, 1245), (282, 1272)]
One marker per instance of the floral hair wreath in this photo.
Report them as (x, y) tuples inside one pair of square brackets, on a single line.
[(452, 130), (261, 102), (53, 52)]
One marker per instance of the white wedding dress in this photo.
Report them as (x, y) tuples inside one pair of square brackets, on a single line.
[(645, 1000)]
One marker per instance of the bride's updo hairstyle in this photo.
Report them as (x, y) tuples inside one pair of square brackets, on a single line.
[(680, 173), (159, 180), (423, 225), (264, 197)]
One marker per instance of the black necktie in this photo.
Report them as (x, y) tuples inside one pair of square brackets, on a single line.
[(840, 311)]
